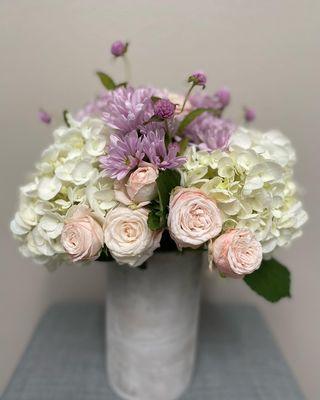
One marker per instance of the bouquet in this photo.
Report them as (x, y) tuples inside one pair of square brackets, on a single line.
[(143, 169)]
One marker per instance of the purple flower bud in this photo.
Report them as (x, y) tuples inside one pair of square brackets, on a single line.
[(44, 116), (198, 78), (249, 114), (164, 109), (223, 96), (119, 48)]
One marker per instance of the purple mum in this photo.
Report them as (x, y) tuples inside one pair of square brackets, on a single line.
[(155, 149), (94, 108), (218, 101), (210, 133), (124, 154), (128, 108)]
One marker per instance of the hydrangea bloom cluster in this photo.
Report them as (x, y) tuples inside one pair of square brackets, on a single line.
[(138, 161), (252, 185), (67, 174)]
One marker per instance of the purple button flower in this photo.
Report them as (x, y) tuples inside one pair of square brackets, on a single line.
[(198, 78), (164, 109), (119, 48), (44, 117), (249, 114)]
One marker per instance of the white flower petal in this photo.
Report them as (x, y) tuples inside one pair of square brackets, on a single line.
[(49, 187)]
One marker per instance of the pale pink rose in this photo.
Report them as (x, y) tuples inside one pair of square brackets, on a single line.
[(235, 253), (128, 237), (140, 188), (193, 218), (82, 235)]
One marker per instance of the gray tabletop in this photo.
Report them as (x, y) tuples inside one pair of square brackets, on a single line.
[(238, 359)]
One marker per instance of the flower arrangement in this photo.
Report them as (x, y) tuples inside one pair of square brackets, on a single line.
[(140, 169)]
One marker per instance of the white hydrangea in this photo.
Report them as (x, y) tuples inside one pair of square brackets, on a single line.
[(252, 184), (67, 174)]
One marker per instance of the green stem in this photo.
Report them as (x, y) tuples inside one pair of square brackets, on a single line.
[(187, 96)]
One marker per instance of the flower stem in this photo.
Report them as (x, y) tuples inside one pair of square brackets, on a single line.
[(187, 96)]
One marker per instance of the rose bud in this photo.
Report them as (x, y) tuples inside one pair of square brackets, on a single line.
[(235, 253), (140, 188)]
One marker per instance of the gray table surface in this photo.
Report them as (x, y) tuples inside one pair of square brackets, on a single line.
[(238, 358)]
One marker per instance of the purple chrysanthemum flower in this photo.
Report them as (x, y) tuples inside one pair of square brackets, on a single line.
[(119, 48), (155, 149), (210, 133), (128, 108), (124, 154), (94, 108), (222, 97), (203, 101), (218, 101)]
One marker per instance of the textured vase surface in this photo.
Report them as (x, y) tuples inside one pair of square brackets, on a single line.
[(152, 325)]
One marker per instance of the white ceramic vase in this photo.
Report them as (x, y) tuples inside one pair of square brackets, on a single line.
[(151, 326)]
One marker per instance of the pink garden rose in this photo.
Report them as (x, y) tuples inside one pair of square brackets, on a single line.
[(128, 237), (82, 235), (235, 253), (140, 188), (193, 218)]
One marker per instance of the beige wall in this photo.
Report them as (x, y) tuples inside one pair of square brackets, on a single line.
[(268, 54)]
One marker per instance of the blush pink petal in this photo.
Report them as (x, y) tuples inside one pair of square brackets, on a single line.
[(235, 253)]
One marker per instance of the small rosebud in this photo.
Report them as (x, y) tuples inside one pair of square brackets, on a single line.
[(164, 109), (119, 48), (223, 97), (198, 78), (44, 116), (249, 114)]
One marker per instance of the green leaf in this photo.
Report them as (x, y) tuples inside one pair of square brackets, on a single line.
[(105, 256), (183, 145), (166, 182), (189, 118), (154, 221), (65, 117), (192, 116), (106, 80), (271, 280)]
